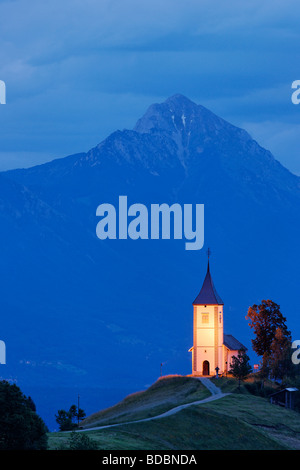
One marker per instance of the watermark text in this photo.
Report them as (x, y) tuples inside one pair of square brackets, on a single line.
[(296, 94), (296, 354), (161, 221), (2, 352), (2, 92)]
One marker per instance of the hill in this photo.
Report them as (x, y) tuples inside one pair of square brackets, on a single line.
[(164, 394), (239, 421)]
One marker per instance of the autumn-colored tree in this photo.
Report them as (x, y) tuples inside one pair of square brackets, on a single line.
[(264, 370), (272, 338), (280, 357), (265, 319)]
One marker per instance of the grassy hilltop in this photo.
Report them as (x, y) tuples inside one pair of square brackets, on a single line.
[(241, 420)]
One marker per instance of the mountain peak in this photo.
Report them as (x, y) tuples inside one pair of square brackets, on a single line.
[(178, 115), (193, 128), (171, 115), (180, 100)]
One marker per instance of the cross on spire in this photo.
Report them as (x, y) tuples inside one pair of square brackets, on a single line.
[(208, 294)]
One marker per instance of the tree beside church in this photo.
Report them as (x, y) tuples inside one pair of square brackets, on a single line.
[(272, 339), (240, 366)]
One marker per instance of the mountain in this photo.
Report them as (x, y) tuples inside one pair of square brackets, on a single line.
[(77, 309)]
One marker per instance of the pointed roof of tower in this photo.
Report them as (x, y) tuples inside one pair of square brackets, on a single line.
[(208, 294)]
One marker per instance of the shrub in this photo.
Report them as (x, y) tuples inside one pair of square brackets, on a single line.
[(79, 441), (20, 426)]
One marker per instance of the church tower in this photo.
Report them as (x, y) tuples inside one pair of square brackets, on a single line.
[(208, 350)]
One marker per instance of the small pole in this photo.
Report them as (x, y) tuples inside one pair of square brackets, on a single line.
[(78, 411)]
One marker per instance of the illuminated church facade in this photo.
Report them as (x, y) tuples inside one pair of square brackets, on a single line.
[(212, 350)]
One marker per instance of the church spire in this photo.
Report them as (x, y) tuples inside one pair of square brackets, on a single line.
[(208, 294)]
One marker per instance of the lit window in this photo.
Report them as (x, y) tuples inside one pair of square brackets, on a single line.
[(205, 318)]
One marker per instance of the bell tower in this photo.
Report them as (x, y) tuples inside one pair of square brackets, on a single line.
[(207, 350)]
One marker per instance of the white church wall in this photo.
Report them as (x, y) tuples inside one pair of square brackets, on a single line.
[(205, 354), (230, 355)]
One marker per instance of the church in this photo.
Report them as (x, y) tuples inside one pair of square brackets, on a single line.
[(212, 348)]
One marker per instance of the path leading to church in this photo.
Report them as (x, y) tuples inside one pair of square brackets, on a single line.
[(214, 390), (216, 394)]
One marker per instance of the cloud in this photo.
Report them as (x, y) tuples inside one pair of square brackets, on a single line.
[(76, 70)]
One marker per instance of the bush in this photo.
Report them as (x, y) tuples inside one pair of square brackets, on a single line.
[(20, 426), (79, 441), (255, 388)]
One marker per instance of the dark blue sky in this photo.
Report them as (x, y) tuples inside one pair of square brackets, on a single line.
[(76, 70)]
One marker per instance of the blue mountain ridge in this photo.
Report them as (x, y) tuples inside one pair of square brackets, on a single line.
[(79, 310)]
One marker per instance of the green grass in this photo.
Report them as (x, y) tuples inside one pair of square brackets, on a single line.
[(194, 428), (251, 384), (164, 394), (277, 422), (239, 421)]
